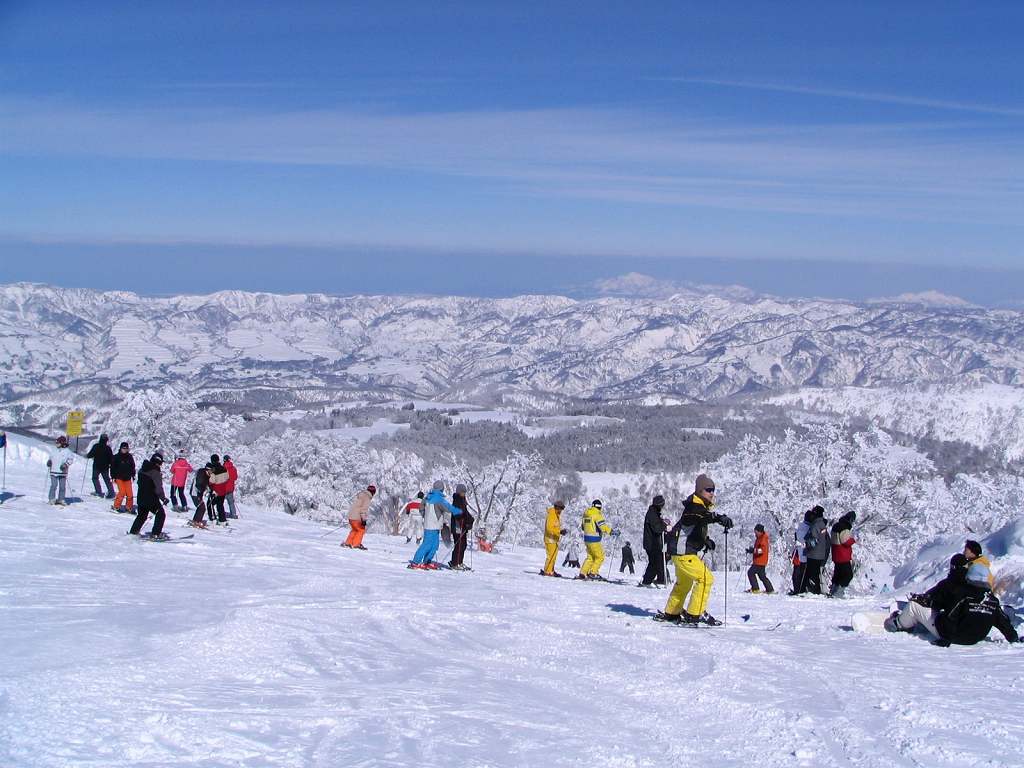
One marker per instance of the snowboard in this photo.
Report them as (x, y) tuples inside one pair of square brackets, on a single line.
[(869, 622)]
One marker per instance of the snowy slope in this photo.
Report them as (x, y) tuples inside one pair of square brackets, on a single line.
[(271, 646)]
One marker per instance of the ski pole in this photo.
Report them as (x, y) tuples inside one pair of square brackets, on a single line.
[(725, 618), (333, 530), (84, 473)]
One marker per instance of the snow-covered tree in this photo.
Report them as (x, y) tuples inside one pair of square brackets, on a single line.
[(507, 496), (169, 420)]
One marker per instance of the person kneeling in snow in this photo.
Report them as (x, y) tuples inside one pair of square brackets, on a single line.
[(434, 507), (961, 609)]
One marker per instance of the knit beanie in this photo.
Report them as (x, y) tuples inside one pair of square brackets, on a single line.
[(704, 483), (371, 488), (460, 488), (658, 501), (759, 528), (559, 504), (214, 458), (439, 485), (123, 445)]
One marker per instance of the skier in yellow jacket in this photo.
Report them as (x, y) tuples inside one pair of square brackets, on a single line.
[(594, 529), (553, 532)]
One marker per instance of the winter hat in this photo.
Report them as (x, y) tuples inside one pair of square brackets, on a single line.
[(559, 504), (460, 488), (596, 503), (759, 528), (62, 441), (226, 457), (957, 563), (420, 495), (658, 501), (703, 483), (973, 546), (439, 485), (817, 511), (124, 445), (104, 437), (157, 458), (371, 487), (852, 516)]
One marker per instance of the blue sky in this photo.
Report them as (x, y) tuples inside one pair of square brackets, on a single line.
[(578, 140)]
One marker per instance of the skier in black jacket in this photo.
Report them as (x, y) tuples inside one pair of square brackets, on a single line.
[(961, 609), (101, 456), (654, 541), (626, 560), (151, 497), (461, 525), (691, 573), (122, 469)]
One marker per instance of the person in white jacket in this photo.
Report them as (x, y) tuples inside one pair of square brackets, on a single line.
[(61, 459)]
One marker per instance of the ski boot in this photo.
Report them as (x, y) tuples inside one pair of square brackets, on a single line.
[(669, 618), (707, 618)]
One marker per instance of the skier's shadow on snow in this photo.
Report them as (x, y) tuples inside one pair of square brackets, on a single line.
[(630, 610), (7, 496)]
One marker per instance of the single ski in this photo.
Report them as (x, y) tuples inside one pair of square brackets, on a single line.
[(164, 539)]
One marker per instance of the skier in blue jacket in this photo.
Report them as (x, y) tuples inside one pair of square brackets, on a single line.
[(434, 507)]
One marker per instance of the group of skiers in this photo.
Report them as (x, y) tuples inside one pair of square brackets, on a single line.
[(213, 485)]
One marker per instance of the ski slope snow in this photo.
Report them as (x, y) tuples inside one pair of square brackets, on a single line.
[(272, 646)]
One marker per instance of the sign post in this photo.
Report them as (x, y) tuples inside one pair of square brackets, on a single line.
[(73, 425)]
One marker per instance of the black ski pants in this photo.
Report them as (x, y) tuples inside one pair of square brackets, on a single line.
[(200, 509), (842, 575), (626, 564), (756, 572), (812, 576), (218, 504), (179, 499), (105, 474), (798, 578), (143, 513), (655, 571), (459, 550)]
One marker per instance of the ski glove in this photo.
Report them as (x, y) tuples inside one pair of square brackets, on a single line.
[(922, 599), (709, 545), (724, 521), (563, 532)]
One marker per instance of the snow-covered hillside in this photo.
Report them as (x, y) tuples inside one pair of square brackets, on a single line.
[(271, 646), (987, 415), (79, 346)]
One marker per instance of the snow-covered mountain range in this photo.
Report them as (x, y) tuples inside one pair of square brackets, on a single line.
[(261, 348)]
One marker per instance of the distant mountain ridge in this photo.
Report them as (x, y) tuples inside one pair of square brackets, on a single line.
[(244, 347)]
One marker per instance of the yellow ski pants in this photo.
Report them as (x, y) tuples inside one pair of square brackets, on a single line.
[(595, 556), (551, 547), (691, 574)]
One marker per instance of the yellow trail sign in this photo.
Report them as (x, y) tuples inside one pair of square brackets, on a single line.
[(73, 425)]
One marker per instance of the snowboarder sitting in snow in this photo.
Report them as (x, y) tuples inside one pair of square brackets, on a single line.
[(961, 609), (758, 561), (691, 573)]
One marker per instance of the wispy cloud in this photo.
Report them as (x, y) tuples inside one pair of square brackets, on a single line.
[(838, 93), (913, 172)]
